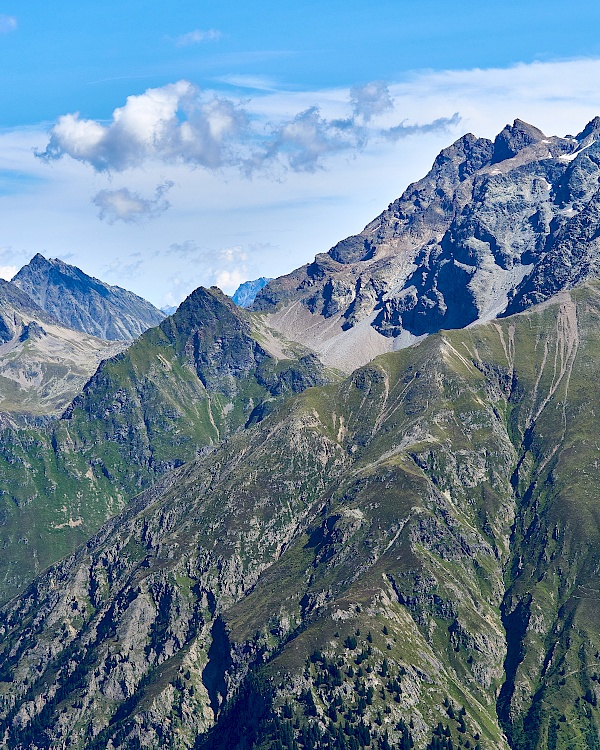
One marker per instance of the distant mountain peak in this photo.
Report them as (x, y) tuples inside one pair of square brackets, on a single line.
[(246, 293), (592, 128), (85, 303)]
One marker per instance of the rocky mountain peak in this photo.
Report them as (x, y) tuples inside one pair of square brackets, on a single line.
[(39, 261), (246, 293), (591, 129), (513, 138), (32, 330), (464, 157), (589, 134), (85, 303), (482, 234)]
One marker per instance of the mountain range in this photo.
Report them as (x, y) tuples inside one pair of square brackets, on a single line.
[(360, 514)]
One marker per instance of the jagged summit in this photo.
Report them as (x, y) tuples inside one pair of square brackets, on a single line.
[(514, 138), (494, 227), (86, 303), (592, 128)]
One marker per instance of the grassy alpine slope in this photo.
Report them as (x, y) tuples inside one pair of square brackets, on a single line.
[(180, 388), (408, 557)]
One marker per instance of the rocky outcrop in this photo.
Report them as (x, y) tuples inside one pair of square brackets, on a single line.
[(493, 228), (86, 304), (15, 307)]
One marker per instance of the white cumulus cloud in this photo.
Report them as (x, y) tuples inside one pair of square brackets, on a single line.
[(229, 280), (180, 124), (130, 207), (174, 123), (7, 272)]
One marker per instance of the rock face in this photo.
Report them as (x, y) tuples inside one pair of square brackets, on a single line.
[(493, 228), (43, 365), (84, 303), (406, 558), (246, 293)]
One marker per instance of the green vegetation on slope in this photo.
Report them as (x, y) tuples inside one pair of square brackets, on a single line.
[(408, 557), (178, 390)]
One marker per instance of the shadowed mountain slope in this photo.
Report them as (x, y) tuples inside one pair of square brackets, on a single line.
[(84, 303), (408, 556)]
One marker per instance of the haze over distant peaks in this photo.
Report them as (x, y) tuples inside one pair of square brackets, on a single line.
[(168, 309), (85, 303)]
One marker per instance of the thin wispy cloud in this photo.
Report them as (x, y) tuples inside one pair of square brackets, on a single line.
[(130, 207), (124, 268), (197, 37), (226, 268), (303, 142), (11, 261), (7, 24), (403, 131), (256, 83), (179, 123)]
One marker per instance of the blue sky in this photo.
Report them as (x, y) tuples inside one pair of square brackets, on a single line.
[(192, 142), (88, 57)]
